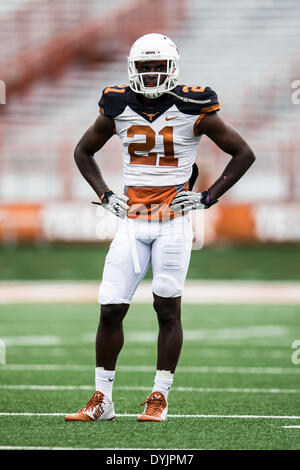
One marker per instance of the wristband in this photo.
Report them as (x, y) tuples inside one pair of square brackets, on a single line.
[(105, 196), (206, 199)]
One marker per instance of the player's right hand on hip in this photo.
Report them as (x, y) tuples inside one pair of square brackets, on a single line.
[(115, 204)]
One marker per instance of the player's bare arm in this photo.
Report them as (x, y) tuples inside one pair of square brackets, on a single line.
[(231, 142), (90, 143)]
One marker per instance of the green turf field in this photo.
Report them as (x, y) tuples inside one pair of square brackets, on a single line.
[(85, 262), (236, 361)]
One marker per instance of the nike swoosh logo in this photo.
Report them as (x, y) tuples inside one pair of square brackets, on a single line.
[(170, 118), (110, 380)]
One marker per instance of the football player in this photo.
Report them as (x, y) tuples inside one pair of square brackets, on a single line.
[(160, 124)]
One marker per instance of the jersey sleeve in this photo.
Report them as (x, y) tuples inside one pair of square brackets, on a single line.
[(113, 101), (203, 100), (211, 107)]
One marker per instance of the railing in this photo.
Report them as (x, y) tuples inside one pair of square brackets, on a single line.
[(33, 52), (36, 22)]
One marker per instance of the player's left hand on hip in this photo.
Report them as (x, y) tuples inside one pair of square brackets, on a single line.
[(189, 200)]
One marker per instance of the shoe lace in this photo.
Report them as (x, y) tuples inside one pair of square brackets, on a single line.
[(96, 399), (154, 403)]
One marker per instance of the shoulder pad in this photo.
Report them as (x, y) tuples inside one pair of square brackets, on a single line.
[(207, 99), (113, 100)]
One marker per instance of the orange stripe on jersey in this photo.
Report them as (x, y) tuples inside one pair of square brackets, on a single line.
[(151, 203), (102, 112), (206, 110), (196, 133), (209, 109), (116, 89)]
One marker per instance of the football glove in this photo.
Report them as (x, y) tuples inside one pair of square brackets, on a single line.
[(114, 203), (189, 200)]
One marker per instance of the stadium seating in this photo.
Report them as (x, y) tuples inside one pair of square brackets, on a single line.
[(247, 52)]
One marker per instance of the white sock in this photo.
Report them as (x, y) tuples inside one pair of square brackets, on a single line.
[(104, 380), (163, 382)]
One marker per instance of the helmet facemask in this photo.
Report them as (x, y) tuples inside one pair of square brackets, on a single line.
[(153, 48), (138, 85)]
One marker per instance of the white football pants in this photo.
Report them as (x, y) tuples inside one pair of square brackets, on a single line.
[(166, 244)]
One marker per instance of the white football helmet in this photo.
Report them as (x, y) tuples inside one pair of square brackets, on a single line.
[(152, 47)]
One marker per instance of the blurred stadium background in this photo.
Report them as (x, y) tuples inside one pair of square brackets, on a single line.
[(56, 56)]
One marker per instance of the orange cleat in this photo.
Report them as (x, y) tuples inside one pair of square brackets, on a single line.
[(156, 408), (98, 408)]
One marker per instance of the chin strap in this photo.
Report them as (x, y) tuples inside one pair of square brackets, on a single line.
[(187, 100)]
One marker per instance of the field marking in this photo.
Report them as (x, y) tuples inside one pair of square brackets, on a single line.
[(30, 340), (195, 292), (63, 343), (229, 352), (246, 332), (146, 368), (291, 427), (148, 389), (133, 415)]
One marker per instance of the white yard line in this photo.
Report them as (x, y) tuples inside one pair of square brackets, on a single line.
[(133, 415), (30, 340), (291, 427), (148, 336), (147, 389), (214, 334), (195, 292), (146, 368)]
